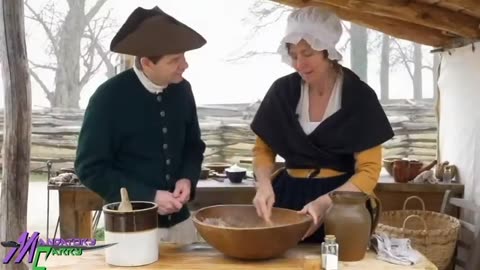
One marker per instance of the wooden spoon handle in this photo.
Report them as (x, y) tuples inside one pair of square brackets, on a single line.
[(428, 167), (124, 195)]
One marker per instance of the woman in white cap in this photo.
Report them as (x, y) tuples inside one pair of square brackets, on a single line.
[(322, 119)]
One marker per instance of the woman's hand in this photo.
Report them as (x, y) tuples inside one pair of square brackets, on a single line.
[(264, 200), (317, 209)]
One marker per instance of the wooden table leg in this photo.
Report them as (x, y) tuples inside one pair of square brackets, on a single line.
[(74, 223)]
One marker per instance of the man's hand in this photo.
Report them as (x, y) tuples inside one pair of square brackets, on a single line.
[(182, 190), (167, 204)]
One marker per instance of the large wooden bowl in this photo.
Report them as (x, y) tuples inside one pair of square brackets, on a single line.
[(237, 231)]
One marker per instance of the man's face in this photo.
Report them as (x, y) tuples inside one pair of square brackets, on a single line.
[(169, 69)]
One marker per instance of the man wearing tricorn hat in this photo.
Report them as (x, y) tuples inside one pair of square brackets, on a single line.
[(140, 129)]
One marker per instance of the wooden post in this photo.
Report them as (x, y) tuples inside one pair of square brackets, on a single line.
[(17, 127)]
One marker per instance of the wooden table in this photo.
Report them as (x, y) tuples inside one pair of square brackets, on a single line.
[(201, 256), (77, 202)]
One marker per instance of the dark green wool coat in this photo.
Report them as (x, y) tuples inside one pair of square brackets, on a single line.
[(139, 140)]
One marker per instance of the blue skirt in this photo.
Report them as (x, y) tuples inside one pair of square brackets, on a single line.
[(294, 193)]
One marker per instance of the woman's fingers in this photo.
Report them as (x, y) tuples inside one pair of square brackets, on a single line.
[(314, 215), (303, 211), (308, 209)]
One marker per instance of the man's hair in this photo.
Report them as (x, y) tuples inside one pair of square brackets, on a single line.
[(138, 63)]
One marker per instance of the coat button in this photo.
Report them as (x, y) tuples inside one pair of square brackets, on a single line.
[(162, 114), (167, 161), (159, 98), (167, 177), (165, 146), (164, 130)]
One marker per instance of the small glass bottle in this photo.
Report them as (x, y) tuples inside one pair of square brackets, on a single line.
[(447, 175), (330, 253)]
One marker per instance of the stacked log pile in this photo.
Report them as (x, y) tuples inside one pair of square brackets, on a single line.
[(415, 127), (414, 124), (226, 131), (54, 137)]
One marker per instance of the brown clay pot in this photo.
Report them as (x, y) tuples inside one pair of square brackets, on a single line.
[(352, 223), (401, 171), (414, 169)]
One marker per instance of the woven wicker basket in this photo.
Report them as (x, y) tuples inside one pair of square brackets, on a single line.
[(431, 233)]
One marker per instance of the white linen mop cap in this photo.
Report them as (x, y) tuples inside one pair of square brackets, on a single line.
[(318, 27)]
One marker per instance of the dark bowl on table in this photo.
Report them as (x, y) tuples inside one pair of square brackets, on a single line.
[(237, 230), (218, 167), (236, 177)]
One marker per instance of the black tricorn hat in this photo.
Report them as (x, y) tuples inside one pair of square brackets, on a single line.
[(152, 32)]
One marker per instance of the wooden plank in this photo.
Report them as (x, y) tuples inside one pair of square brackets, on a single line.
[(393, 27), (462, 203), (419, 13), (17, 126), (201, 256), (76, 222), (78, 199), (387, 184), (467, 5)]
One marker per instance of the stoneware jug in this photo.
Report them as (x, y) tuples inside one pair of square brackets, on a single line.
[(352, 219)]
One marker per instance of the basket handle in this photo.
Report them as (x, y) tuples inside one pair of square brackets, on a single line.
[(414, 216), (414, 197)]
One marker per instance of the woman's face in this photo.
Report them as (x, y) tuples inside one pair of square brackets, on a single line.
[(309, 63)]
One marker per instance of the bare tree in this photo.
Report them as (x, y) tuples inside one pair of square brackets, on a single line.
[(417, 72), (263, 14), (410, 56), (75, 46), (359, 50), (385, 68), (266, 13), (435, 69)]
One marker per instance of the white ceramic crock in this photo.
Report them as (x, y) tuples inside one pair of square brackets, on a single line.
[(134, 232)]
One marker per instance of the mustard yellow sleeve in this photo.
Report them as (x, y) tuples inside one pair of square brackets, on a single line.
[(262, 154), (368, 165)]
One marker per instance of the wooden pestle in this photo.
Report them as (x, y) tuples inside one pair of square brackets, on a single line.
[(125, 205)]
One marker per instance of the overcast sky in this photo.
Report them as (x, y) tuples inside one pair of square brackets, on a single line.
[(214, 80)]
